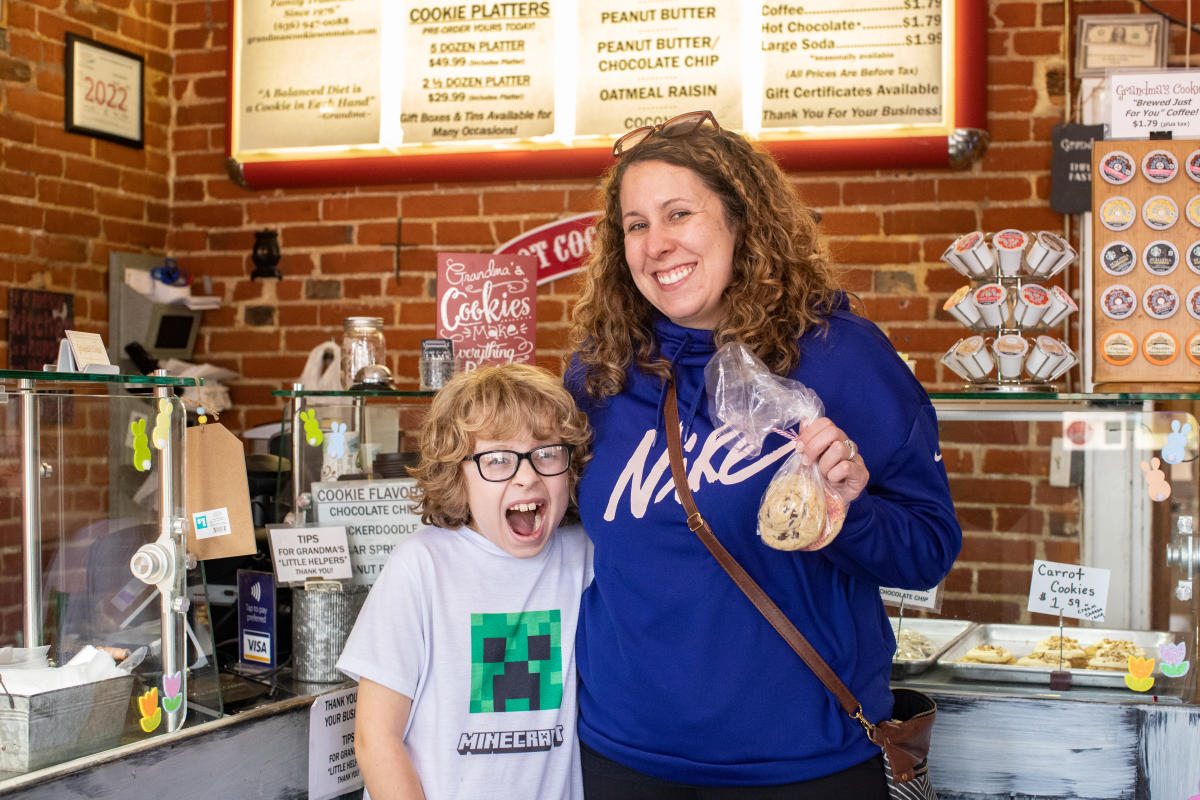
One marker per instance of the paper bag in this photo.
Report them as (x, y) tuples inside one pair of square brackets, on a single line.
[(218, 494)]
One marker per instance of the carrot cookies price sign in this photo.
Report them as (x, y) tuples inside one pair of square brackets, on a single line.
[(487, 305), (1070, 590)]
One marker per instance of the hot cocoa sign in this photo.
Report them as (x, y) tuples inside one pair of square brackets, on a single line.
[(487, 307)]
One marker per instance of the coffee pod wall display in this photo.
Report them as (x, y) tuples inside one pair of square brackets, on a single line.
[(1009, 310), (1145, 270)]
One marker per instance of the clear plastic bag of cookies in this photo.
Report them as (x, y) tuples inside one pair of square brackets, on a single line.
[(798, 510)]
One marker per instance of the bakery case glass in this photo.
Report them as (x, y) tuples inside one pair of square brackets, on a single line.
[(1077, 577), (104, 631)]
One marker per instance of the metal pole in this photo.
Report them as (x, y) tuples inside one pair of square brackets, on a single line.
[(175, 602), (31, 515)]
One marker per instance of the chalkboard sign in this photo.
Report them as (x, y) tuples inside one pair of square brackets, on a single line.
[(37, 321)]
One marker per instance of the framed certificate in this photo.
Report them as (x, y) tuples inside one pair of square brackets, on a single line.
[(105, 92), (1120, 41)]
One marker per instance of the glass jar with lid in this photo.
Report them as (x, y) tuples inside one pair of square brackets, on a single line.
[(362, 346)]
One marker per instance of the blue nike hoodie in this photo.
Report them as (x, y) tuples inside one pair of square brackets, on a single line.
[(681, 677)]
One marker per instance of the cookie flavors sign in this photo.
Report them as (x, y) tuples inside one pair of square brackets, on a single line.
[(486, 304)]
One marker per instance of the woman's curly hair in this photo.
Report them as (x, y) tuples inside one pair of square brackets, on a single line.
[(782, 284), (493, 402)]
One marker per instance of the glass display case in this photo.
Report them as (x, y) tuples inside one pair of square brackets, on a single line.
[(94, 547), (1077, 574), (346, 436)]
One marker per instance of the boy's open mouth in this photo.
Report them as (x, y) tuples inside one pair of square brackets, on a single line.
[(525, 519)]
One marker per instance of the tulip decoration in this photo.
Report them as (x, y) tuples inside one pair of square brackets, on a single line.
[(172, 697), (151, 713), (1139, 678), (1173, 665)]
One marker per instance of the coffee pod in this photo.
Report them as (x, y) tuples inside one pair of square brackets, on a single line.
[(976, 256), (1010, 350), (1118, 258), (973, 354), (951, 258), (1044, 253), (1010, 246), (1044, 357), (1192, 257), (1061, 305), (991, 300), (1064, 260), (1192, 302), (1118, 348), (1160, 301), (1117, 167), (1160, 348), (1160, 166), (1160, 257), (1069, 361), (960, 306), (1193, 349), (951, 360), (1118, 301), (1031, 305), (1117, 213), (1160, 212), (1192, 210), (1191, 165)]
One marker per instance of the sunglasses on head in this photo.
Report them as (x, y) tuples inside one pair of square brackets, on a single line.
[(683, 125)]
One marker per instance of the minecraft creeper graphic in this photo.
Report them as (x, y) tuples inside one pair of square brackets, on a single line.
[(516, 661)]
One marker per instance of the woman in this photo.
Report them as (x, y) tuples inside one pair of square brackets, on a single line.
[(685, 688)]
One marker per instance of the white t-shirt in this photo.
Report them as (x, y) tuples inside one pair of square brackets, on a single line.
[(484, 644)]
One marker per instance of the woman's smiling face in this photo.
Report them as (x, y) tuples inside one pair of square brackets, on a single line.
[(678, 242)]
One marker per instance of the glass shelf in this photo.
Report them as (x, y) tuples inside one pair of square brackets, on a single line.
[(92, 377), (1066, 397), (351, 393)]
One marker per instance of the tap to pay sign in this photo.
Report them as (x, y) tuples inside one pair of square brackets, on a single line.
[(1069, 590)]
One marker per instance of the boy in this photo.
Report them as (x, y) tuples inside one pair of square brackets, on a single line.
[(465, 648)]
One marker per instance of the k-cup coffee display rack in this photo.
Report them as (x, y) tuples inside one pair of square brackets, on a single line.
[(1145, 272), (1009, 311)]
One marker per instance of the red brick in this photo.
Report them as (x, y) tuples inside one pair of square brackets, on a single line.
[(1037, 43), (262, 213), (440, 205), (359, 207)]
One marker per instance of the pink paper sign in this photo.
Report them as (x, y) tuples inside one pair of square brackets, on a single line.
[(487, 304)]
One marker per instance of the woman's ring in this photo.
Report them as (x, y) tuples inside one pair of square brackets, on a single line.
[(852, 447)]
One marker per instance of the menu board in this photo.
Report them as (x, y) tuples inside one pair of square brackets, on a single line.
[(551, 83), (852, 67)]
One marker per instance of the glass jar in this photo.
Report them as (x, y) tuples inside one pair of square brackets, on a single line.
[(362, 346)]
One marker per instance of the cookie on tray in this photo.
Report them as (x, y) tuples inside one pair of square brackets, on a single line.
[(988, 654)]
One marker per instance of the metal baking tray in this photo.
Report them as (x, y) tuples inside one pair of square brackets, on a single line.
[(941, 632), (1021, 639)]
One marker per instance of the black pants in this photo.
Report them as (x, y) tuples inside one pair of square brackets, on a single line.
[(604, 779)]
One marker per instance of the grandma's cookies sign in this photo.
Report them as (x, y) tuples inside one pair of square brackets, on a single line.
[(486, 304)]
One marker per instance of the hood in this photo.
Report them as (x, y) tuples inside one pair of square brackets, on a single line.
[(688, 350)]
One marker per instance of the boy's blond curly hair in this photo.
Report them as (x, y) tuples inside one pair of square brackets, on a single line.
[(493, 402)]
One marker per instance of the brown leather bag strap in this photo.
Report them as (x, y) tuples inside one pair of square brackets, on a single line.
[(749, 587)]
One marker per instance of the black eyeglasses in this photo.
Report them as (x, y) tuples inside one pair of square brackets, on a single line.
[(500, 465), (683, 125)]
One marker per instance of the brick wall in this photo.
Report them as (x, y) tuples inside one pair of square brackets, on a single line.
[(66, 201)]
